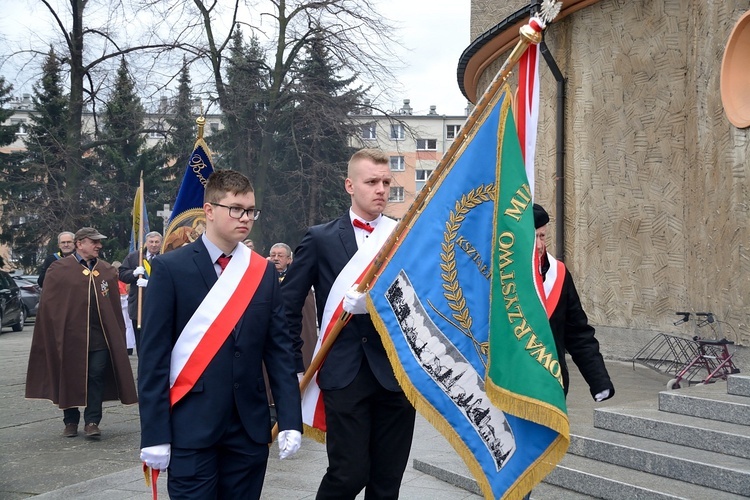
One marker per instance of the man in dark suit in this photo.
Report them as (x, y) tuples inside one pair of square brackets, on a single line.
[(135, 271), (570, 325), (66, 244), (214, 313), (369, 421)]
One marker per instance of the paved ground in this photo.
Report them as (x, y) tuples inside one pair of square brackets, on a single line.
[(36, 461)]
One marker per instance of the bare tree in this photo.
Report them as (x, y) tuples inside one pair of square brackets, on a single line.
[(356, 36), (92, 35), (90, 44)]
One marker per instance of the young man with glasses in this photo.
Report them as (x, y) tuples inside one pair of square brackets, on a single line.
[(214, 315)]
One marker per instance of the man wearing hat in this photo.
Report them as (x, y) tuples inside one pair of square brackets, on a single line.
[(569, 323), (78, 353)]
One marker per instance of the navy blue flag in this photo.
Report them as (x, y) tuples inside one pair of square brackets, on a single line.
[(188, 221)]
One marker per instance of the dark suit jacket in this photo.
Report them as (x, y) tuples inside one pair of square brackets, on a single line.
[(322, 254), (573, 333), (129, 263), (179, 281)]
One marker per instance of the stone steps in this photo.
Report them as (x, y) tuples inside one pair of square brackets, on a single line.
[(709, 401), (739, 385), (691, 443), (647, 421), (604, 480), (704, 468)]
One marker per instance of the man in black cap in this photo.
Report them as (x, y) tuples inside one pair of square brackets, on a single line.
[(569, 323), (78, 354)]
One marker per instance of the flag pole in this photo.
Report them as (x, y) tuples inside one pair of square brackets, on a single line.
[(528, 35), (141, 210)]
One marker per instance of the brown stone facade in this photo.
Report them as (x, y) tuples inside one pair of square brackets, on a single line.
[(656, 183)]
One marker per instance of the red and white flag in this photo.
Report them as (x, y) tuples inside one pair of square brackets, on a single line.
[(528, 108)]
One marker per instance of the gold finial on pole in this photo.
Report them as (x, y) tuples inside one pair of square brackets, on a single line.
[(201, 121)]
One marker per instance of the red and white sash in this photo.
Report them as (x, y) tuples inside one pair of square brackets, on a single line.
[(553, 283), (313, 413), (214, 320)]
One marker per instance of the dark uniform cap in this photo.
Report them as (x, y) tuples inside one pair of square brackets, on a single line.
[(90, 233), (541, 217)]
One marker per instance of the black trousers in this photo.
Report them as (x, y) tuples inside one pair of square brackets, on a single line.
[(233, 468), (369, 433), (98, 364)]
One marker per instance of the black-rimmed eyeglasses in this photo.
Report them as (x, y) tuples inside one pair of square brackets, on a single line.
[(239, 212)]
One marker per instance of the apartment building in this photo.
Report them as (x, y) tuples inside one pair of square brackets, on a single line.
[(155, 121), (414, 143)]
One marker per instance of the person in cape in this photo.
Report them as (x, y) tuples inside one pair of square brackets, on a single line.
[(66, 244), (369, 421), (78, 353), (569, 323), (215, 314)]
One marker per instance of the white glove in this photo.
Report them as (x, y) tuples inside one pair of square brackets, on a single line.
[(156, 457), (139, 271), (602, 395), (289, 443), (355, 302), (142, 282)]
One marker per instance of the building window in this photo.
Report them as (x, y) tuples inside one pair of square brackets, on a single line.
[(397, 132), (396, 194), (368, 131), (451, 131), (397, 163), (421, 178), (426, 144)]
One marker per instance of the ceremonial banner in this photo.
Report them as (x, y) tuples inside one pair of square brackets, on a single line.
[(188, 221), (140, 215), (461, 320)]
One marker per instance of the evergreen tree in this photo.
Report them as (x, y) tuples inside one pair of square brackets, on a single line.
[(181, 135), (182, 126), (7, 132), (119, 162), (244, 106), (313, 168), (36, 207)]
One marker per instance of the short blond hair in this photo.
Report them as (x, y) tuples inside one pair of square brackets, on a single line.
[(376, 155)]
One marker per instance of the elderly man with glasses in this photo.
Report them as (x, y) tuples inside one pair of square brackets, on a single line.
[(66, 245)]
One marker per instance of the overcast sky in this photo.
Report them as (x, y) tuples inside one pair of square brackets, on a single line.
[(433, 32)]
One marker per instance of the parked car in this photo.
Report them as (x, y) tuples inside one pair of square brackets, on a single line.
[(11, 309), (30, 293), (30, 277)]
